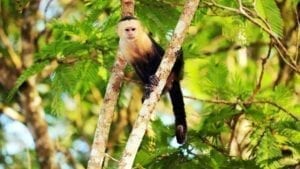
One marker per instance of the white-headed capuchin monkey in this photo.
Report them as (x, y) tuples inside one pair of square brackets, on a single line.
[(145, 55)]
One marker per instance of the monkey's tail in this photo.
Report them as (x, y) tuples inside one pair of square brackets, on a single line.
[(179, 112)]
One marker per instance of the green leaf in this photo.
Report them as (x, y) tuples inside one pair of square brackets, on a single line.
[(268, 152), (268, 10), (217, 79), (292, 135), (239, 87), (86, 76), (73, 79), (200, 13), (63, 82), (60, 49), (159, 17), (34, 69), (215, 122)]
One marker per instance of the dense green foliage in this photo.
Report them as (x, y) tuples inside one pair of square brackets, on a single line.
[(240, 116)]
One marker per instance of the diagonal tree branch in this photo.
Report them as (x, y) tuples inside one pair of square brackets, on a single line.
[(106, 115), (162, 73), (110, 99)]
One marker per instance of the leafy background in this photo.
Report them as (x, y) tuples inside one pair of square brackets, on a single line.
[(223, 53)]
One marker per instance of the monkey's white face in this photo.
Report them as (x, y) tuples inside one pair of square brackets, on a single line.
[(129, 29)]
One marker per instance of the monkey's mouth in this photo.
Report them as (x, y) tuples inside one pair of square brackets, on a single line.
[(130, 37)]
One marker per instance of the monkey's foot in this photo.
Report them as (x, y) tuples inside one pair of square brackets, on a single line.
[(153, 80), (150, 87), (181, 131)]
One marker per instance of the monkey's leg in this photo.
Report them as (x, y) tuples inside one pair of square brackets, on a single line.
[(179, 112)]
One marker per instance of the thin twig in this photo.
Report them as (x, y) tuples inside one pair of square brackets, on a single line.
[(240, 4), (11, 113), (258, 16), (273, 104), (226, 102), (263, 63), (258, 143), (285, 60), (239, 102), (46, 8), (213, 3), (112, 158), (14, 56)]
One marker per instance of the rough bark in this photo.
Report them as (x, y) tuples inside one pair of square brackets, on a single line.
[(162, 73), (106, 115)]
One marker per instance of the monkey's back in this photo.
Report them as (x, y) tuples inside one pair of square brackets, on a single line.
[(147, 66)]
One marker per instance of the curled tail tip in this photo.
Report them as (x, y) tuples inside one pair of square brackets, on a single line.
[(181, 132)]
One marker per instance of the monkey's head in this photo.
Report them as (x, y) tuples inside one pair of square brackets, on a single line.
[(129, 28)]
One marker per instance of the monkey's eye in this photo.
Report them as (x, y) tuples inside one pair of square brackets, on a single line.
[(126, 29), (133, 29)]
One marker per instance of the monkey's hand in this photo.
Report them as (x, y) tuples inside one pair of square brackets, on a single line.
[(150, 87)]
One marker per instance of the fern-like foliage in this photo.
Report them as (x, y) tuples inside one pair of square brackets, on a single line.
[(196, 154), (270, 12), (158, 16), (268, 151), (274, 128), (81, 48), (82, 38), (34, 69), (216, 79), (73, 79)]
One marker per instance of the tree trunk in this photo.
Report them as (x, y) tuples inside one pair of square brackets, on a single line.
[(29, 97)]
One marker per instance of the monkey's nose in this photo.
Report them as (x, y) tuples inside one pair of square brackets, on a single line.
[(130, 36)]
